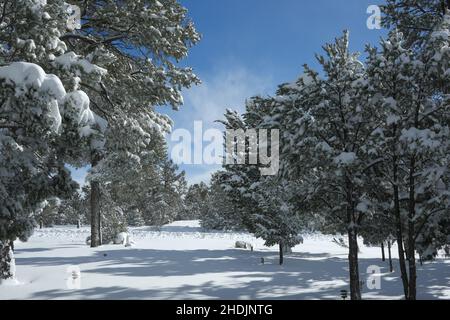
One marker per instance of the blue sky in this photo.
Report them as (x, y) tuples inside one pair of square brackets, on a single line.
[(249, 47)]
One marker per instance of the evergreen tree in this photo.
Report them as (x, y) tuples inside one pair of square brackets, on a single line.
[(412, 139), (416, 19), (264, 206), (34, 108), (73, 210), (219, 214), (47, 216), (113, 218), (277, 221), (236, 179), (196, 202), (324, 148), (138, 43)]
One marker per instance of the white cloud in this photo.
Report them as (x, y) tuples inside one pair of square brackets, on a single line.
[(227, 88)]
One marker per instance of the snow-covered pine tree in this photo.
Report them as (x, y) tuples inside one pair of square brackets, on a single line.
[(219, 214), (33, 31), (236, 179), (378, 230), (138, 43), (196, 202), (278, 222), (165, 200), (173, 188), (265, 206), (410, 93), (326, 125), (47, 216), (135, 218), (149, 186), (113, 219), (35, 106), (416, 19), (73, 211)]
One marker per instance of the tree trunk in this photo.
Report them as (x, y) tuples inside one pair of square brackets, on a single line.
[(281, 254), (411, 249), (399, 231), (6, 261), (412, 291), (41, 224), (353, 249), (383, 255), (11, 244), (78, 224), (355, 289), (95, 207), (411, 257), (391, 267), (100, 238)]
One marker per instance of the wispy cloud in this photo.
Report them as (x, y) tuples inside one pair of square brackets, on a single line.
[(226, 88)]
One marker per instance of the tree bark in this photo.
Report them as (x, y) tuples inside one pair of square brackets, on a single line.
[(411, 250), (100, 238), (6, 261), (281, 254), (383, 255), (391, 267), (399, 231), (353, 250), (355, 289), (95, 209), (411, 256)]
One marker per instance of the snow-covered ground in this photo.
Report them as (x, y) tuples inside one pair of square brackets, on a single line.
[(180, 261)]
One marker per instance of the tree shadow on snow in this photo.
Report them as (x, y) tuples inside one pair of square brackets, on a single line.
[(226, 274)]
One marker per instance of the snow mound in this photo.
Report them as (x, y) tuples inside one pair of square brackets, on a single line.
[(24, 75), (345, 158)]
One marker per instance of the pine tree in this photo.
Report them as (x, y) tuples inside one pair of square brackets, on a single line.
[(47, 216), (196, 201), (236, 179), (113, 218), (137, 43), (409, 92), (35, 107), (277, 221), (219, 213), (73, 211), (264, 206), (33, 31), (327, 126), (416, 19)]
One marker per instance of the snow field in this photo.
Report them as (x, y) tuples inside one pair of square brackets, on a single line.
[(181, 261)]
